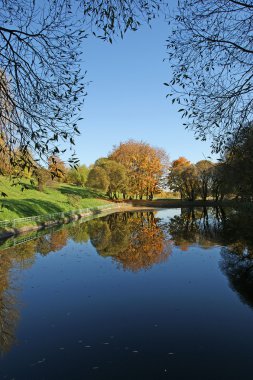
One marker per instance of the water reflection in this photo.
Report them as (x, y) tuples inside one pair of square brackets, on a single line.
[(231, 229), (137, 241), (213, 226), (197, 226), (12, 260), (9, 314), (239, 270), (134, 240), (237, 255)]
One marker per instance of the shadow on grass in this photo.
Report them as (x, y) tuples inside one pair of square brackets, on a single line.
[(82, 192), (30, 207)]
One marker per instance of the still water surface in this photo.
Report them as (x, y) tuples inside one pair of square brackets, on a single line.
[(165, 295)]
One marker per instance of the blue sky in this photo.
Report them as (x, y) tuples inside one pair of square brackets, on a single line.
[(127, 99)]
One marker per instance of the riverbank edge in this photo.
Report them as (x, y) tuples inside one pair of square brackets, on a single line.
[(127, 205), (10, 232), (177, 203)]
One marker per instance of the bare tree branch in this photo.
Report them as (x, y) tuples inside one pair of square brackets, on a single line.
[(211, 49)]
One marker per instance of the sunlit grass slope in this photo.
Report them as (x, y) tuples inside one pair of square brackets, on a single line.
[(60, 198)]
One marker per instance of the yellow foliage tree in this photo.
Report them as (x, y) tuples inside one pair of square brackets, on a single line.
[(145, 166)]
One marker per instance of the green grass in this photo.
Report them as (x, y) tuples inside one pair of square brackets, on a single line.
[(59, 198)]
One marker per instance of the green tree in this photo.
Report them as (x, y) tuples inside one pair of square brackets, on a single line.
[(117, 176), (109, 176), (98, 179), (78, 176)]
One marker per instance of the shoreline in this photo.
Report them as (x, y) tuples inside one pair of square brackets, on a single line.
[(133, 205), (68, 219)]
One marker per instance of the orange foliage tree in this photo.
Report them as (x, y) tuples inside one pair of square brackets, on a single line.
[(145, 167)]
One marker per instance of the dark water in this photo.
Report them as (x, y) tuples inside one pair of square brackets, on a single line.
[(131, 296)]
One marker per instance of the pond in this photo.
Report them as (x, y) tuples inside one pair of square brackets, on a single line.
[(143, 295)]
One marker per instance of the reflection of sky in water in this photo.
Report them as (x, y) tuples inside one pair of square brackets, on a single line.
[(87, 316), (168, 213)]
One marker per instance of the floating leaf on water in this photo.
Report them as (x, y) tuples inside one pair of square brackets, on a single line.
[(38, 362)]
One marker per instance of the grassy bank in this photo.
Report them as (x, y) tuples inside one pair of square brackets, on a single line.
[(60, 198), (64, 198)]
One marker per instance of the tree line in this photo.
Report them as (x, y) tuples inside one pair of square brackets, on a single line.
[(133, 169), (231, 177), (137, 170)]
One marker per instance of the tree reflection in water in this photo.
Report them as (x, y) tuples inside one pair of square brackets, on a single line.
[(12, 258), (8, 304), (239, 270), (196, 226), (20, 257), (137, 241), (232, 230), (237, 255)]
